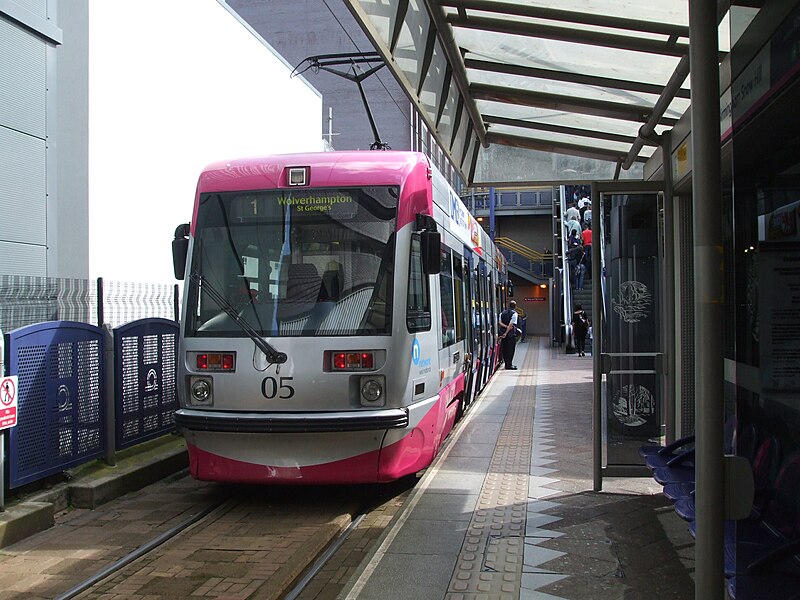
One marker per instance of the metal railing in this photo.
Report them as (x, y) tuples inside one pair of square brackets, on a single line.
[(538, 264), (26, 300), (477, 200)]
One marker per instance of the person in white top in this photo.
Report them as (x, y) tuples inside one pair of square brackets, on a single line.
[(572, 213)]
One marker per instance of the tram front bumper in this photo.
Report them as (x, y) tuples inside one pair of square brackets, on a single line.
[(280, 422)]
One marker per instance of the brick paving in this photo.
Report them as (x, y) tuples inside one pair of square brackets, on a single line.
[(86, 541), (254, 546)]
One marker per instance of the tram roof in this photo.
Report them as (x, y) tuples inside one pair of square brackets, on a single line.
[(574, 77)]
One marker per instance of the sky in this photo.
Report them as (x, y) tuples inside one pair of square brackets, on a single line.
[(174, 86)]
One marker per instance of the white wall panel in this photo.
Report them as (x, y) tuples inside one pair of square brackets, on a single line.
[(23, 191), (21, 259), (23, 83), (37, 7)]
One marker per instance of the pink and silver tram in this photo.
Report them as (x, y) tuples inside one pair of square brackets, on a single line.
[(338, 316)]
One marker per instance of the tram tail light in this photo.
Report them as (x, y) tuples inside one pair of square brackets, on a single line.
[(367, 360), (216, 361), (353, 361)]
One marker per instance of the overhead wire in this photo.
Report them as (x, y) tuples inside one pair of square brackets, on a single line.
[(355, 45)]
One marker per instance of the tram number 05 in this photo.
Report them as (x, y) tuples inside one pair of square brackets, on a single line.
[(272, 387)]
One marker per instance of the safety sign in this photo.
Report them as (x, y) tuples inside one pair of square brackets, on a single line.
[(8, 401)]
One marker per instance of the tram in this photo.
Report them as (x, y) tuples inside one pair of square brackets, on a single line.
[(339, 315)]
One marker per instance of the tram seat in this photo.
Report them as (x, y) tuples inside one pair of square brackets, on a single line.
[(303, 285), (347, 315), (343, 319), (331, 288)]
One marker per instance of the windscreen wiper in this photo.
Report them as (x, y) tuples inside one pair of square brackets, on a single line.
[(273, 355)]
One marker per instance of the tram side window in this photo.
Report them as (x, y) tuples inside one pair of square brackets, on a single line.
[(418, 313), (448, 305), (460, 296)]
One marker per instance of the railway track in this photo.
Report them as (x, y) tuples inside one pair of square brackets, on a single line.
[(297, 543)]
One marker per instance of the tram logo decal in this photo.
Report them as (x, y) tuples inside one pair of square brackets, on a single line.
[(633, 405), (633, 301), (424, 364)]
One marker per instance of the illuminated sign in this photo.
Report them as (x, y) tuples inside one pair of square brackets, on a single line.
[(314, 203)]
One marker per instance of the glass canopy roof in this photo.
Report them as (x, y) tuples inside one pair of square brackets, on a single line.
[(573, 77)]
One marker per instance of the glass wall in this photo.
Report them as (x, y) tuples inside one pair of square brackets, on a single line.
[(628, 227), (761, 220)]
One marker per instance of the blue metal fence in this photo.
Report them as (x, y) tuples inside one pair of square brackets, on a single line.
[(145, 353), (61, 406)]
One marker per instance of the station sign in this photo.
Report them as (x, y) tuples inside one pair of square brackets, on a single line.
[(8, 401)]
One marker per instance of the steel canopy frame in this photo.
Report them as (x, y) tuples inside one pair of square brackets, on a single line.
[(450, 78)]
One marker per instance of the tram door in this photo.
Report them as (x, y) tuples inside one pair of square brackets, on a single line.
[(627, 276), (480, 318), (483, 281), (472, 341)]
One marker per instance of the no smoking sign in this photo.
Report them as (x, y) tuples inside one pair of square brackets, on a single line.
[(8, 402)]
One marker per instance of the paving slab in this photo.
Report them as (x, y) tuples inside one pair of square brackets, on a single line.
[(522, 459)]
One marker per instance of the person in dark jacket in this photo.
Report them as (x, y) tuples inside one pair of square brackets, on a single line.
[(580, 327), (508, 334)]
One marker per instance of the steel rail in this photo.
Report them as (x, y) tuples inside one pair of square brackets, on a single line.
[(316, 567), (140, 551)]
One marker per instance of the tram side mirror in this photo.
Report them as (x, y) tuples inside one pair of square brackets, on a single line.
[(180, 248), (431, 242)]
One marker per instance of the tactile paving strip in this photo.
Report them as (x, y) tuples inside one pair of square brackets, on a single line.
[(491, 558)]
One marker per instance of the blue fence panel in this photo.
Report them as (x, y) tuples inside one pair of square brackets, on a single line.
[(60, 403), (528, 198), (145, 380)]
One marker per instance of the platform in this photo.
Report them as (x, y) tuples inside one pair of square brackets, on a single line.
[(507, 509)]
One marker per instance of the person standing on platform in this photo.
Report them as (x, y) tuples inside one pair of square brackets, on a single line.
[(508, 334), (580, 327)]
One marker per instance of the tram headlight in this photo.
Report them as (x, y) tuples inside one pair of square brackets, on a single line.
[(372, 391), (200, 392)]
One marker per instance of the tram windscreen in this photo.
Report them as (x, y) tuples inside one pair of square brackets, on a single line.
[(292, 262)]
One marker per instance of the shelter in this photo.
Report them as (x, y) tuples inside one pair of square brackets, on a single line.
[(695, 250)]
